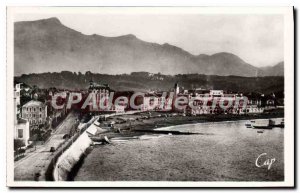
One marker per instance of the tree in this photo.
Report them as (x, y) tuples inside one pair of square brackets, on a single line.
[(18, 143), (17, 146)]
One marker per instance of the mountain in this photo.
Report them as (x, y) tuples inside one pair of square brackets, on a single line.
[(49, 46), (145, 81), (277, 70)]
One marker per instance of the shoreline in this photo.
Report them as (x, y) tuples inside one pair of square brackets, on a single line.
[(138, 126), (140, 129)]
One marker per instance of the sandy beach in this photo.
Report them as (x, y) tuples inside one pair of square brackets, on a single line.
[(134, 124), (222, 151)]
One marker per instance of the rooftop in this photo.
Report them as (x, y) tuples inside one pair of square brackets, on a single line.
[(33, 103), (94, 85)]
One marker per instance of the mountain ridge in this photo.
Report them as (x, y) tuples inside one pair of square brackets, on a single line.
[(48, 46)]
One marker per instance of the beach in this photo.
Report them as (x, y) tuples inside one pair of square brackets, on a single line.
[(219, 151), (141, 123)]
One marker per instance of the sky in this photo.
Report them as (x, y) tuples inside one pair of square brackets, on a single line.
[(257, 39)]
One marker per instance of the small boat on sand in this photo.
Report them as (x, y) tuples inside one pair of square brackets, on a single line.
[(263, 124), (277, 123), (249, 124)]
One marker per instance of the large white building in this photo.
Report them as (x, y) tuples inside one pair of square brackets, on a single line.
[(35, 112)]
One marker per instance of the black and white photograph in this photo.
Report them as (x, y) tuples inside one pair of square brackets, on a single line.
[(150, 97)]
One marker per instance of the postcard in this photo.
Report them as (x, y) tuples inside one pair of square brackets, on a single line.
[(150, 97)]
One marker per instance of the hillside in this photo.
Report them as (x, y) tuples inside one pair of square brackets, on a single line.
[(144, 81)]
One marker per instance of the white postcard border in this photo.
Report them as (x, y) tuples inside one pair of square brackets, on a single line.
[(289, 93)]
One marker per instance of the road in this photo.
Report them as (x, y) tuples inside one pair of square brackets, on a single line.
[(37, 161)]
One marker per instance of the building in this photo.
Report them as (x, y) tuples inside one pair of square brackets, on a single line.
[(95, 87), (254, 104), (35, 112), (219, 102), (21, 126), (156, 102), (102, 92), (17, 98), (17, 93), (22, 130), (216, 93)]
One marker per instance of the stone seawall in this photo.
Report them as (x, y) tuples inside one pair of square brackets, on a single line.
[(70, 157), (69, 154)]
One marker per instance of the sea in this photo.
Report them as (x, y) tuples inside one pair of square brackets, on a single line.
[(217, 151)]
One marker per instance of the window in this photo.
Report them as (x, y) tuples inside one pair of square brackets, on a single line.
[(33, 109), (40, 109), (40, 115), (30, 109), (27, 108), (33, 115), (20, 133)]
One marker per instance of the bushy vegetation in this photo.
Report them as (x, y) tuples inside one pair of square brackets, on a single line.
[(144, 81)]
